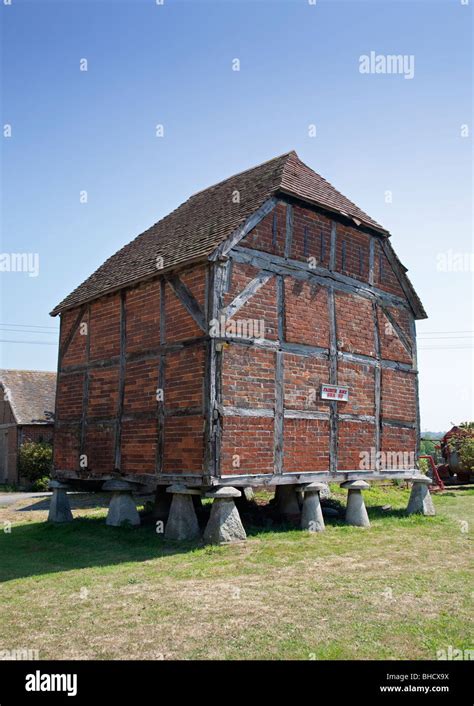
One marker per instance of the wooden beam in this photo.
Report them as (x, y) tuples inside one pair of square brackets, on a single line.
[(417, 391), (121, 387), (412, 298), (398, 423), (85, 389), (242, 231), (242, 298), (345, 417), (213, 391), (378, 377), (372, 260), (230, 411), (398, 330), (289, 229), (279, 403), (333, 426), (332, 252), (280, 294), (301, 270), (70, 335), (160, 406), (267, 479), (306, 414), (187, 299)]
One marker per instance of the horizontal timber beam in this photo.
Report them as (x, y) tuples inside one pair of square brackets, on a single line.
[(301, 270)]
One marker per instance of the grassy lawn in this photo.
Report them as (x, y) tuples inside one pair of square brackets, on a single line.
[(399, 590)]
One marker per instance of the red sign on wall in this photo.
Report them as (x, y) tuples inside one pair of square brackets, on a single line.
[(334, 392)]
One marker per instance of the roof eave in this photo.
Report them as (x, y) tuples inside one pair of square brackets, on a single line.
[(378, 229), (59, 309)]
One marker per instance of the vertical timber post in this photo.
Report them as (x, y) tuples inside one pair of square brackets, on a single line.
[(85, 392), (216, 283), (333, 426), (377, 382), (160, 408), (118, 424)]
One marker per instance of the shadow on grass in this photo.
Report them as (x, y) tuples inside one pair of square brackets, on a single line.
[(77, 501), (40, 548)]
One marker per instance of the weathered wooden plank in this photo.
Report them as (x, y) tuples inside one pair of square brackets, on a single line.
[(417, 391), (333, 425), (398, 330), (332, 251), (85, 390), (289, 230), (412, 299), (346, 417), (378, 377), (243, 297), (121, 387), (231, 411), (315, 273), (187, 299), (266, 479), (279, 402), (305, 414), (280, 293), (213, 391), (398, 423), (161, 403), (241, 232), (72, 331), (372, 260)]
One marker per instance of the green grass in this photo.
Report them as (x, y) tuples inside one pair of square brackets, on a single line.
[(399, 590)]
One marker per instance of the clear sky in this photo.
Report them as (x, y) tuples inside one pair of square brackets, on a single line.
[(150, 64)]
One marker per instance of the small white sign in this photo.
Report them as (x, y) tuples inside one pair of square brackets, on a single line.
[(334, 392)]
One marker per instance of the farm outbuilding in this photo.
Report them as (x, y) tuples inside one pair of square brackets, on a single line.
[(263, 333), (26, 414)]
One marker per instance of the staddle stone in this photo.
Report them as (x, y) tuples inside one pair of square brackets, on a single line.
[(224, 525), (420, 501), (59, 507), (182, 524), (356, 512)]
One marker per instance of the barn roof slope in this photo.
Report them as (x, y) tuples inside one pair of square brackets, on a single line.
[(31, 395), (194, 230)]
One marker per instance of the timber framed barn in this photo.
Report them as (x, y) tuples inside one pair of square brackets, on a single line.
[(261, 333)]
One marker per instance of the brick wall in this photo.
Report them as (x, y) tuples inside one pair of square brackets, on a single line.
[(306, 445), (306, 313), (248, 372), (355, 438), (247, 446), (183, 388), (248, 377), (354, 324)]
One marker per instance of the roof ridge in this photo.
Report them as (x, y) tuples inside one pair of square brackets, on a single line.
[(244, 171)]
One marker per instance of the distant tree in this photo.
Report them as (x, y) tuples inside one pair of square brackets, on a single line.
[(35, 461)]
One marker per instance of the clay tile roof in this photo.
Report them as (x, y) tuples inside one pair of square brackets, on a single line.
[(201, 223), (31, 395)]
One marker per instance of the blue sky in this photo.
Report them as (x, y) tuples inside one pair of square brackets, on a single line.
[(171, 64)]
